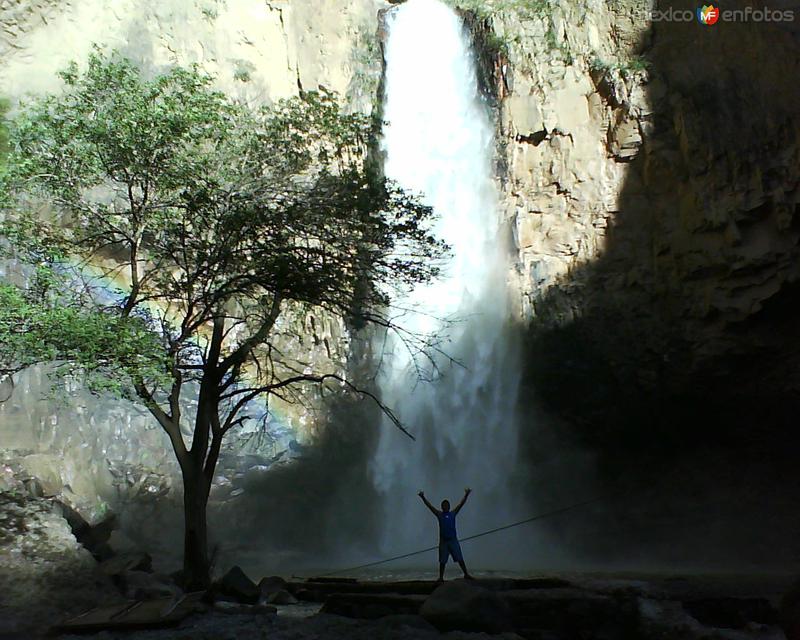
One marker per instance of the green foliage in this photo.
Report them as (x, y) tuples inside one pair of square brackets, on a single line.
[(213, 213), (366, 63), (517, 11), (215, 219), (243, 70), (497, 45), (525, 9), (108, 350), (626, 67), (4, 148)]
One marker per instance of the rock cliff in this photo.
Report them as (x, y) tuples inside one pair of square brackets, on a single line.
[(649, 176)]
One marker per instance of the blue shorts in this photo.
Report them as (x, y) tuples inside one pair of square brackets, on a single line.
[(450, 548)]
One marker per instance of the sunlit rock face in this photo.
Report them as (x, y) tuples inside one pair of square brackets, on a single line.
[(653, 199), (651, 173), (259, 51), (633, 173)]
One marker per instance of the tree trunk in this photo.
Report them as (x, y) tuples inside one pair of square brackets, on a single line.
[(196, 566)]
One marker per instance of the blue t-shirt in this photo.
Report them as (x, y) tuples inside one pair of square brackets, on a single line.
[(447, 525)]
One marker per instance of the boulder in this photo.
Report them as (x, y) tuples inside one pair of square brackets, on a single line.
[(406, 620), (368, 606), (235, 585), (46, 469), (280, 597), (123, 562), (121, 543), (572, 612), (732, 613), (790, 612), (464, 606), (33, 487), (237, 608), (140, 585), (93, 537), (271, 584)]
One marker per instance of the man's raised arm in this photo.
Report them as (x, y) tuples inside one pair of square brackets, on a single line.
[(463, 500), (433, 509)]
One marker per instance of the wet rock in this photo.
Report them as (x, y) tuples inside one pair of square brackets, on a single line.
[(732, 613), (33, 488), (140, 585), (123, 562), (44, 572), (93, 538), (372, 605), (271, 584), (239, 608), (121, 543), (237, 586), (572, 612), (281, 597), (466, 607), (406, 620), (790, 612), (317, 589)]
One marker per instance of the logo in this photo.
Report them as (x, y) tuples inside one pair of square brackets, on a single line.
[(708, 14)]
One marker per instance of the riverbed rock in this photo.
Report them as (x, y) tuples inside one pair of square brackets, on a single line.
[(93, 537), (120, 563), (281, 597), (239, 608), (572, 612), (790, 612), (369, 606), (462, 606), (141, 585), (732, 613), (237, 586), (44, 571), (271, 584)]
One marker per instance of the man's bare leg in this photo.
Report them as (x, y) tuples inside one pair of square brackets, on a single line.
[(464, 569), (441, 571)]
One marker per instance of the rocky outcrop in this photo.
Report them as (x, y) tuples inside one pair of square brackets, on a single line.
[(651, 189), (44, 571), (652, 199), (599, 608)]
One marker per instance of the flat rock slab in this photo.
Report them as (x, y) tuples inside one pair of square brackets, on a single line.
[(732, 613), (369, 606), (151, 614), (317, 589), (466, 606), (572, 611)]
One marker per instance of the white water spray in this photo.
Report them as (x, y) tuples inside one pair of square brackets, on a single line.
[(439, 142)]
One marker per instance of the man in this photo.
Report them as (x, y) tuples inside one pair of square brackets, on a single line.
[(448, 539)]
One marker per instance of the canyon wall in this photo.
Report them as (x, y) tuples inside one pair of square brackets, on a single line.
[(648, 173)]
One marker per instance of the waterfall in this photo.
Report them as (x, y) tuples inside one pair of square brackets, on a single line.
[(438, 141)]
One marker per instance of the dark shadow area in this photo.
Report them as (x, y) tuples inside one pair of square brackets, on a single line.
[(674, 357), (315, 510)]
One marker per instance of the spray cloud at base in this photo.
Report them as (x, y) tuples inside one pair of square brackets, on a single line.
[(438, 141)]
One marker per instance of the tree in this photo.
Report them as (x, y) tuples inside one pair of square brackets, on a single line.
[(221, 220)]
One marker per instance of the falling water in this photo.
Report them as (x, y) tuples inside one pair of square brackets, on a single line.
[(439, 142)]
